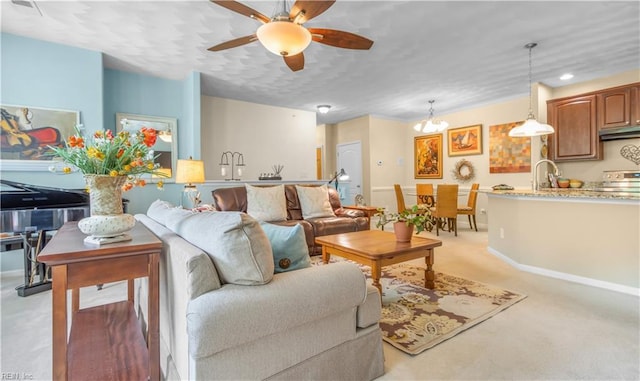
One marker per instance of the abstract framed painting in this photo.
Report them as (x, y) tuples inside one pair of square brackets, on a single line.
[(464, 141), (427, 163), (27, 133), (508, 154)]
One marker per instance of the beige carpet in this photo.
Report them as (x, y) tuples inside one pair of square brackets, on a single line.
[(562, 331), (415, 318)]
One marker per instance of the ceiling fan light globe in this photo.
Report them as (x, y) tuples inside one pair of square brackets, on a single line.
[(284, 38)]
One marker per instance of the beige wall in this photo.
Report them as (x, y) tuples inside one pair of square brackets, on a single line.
[(531, 237), (265, 135)]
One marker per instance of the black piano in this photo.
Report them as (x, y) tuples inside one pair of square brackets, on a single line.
[(29, 212)]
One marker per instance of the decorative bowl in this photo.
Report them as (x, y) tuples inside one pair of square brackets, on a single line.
[(575, 183), (563, 183)]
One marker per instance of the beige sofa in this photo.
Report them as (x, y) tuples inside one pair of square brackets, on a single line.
[(319, 322)]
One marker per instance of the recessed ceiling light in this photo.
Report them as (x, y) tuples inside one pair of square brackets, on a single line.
[(566, 77)]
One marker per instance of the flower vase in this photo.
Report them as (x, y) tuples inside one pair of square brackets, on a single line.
[(403, 231), (107, 218)]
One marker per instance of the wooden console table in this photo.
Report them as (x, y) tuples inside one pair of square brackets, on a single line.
[(106, 342)]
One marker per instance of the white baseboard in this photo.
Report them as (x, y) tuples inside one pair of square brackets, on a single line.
[(565, 276)]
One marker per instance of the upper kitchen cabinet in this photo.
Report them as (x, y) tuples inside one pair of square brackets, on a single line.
[(576, 130), (619, 107)]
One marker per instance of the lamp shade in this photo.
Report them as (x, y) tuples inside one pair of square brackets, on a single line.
[(284, 38), (190, 171), (531, 127)]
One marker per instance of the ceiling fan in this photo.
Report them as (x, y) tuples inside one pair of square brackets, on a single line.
[(284, 35)]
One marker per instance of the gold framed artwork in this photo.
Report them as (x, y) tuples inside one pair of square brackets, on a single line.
[(427, 162), (508, 154), (464, 141)]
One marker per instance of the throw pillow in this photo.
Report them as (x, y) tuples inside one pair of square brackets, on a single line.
[(235, 242), (314, 202), (266, 203), (289, 246)]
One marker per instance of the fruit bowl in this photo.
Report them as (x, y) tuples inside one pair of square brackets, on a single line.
[(563, 183)]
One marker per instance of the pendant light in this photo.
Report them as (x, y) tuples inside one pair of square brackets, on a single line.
[(531, 127), (431, 125)]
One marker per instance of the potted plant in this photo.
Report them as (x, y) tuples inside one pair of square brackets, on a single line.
[(417, 218)]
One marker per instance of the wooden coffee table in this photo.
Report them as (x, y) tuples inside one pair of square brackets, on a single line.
[(375, 248)]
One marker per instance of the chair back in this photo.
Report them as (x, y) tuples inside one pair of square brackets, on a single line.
[(447, 201), (473, 196), (424, 191), (399, 198)]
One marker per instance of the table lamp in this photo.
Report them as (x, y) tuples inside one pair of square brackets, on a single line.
[(189, 172)]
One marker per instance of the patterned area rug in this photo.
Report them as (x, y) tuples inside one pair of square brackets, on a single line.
[(415, 318)]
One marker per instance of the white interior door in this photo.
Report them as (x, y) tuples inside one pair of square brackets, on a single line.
[(349, 157)]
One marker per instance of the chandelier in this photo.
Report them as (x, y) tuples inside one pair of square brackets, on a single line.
[(431, 125)]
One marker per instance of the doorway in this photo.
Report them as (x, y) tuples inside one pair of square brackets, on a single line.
[(349, 157)]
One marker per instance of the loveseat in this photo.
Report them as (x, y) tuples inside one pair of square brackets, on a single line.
[(342, 220), (225, 315)]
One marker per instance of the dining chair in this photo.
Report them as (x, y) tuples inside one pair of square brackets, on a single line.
[(470, 209), (399, 198), (425, 194), (446, 209)]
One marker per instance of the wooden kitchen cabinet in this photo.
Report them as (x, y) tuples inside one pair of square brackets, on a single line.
[(576, 129), (619, 107)]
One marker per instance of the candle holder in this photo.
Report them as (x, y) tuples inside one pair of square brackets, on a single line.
[(236, 159)]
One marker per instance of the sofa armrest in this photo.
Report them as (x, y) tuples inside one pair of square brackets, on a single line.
[(290, 300), (370, 311), (352, 213)]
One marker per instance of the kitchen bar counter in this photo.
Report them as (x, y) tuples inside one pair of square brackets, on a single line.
[(577, 235), (566, 193)]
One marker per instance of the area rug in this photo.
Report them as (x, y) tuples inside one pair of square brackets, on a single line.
[(415, 319)]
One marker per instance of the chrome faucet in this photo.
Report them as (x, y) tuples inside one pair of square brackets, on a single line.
[(534, 183)]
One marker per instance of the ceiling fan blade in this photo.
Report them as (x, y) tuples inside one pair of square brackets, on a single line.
[(234, 43), (340, 39), (242, 9), (296, 62), (311, 8)]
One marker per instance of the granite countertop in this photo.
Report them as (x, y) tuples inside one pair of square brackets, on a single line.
[(567, 193)]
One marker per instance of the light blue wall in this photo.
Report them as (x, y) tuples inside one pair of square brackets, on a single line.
[(141, 94), (43, 74), (47, 75), (191, 143)]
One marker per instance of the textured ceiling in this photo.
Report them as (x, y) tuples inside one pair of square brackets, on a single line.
[(461, 54)]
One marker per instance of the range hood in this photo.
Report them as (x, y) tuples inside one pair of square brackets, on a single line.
[(620, 133)]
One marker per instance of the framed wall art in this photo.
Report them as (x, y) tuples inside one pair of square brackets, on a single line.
[(464, 141), (427, 161), (27, 133), (508, 154)]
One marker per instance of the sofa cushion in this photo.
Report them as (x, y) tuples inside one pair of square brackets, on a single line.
[(314, 202), (289, 246), (238, 246), (266, 203), (164, 211)]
